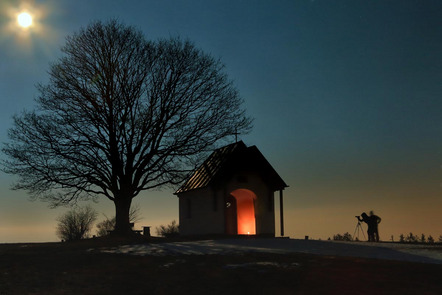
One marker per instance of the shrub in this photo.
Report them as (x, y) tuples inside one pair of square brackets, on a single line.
[(76, 223), (106, 226), (168, 231), (344, 237)]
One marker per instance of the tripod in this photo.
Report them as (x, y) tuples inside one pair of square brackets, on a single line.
[(358, 228)]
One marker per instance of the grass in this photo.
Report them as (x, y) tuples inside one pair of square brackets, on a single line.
[(69, 268)]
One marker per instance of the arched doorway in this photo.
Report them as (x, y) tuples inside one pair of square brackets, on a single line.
[(240, 212)]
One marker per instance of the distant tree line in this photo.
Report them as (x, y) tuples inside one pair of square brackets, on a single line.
[(410, 238), (422, 238)]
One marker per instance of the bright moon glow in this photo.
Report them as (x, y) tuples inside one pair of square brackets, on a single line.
[(24, 19)]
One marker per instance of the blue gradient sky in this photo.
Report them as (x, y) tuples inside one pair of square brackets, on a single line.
[(346, 97)]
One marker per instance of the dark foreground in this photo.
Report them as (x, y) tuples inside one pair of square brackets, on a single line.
[(69, 268)]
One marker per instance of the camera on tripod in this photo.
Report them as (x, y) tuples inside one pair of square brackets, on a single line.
[(358, 229)]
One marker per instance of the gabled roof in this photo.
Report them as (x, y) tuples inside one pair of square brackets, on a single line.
[(225, 161)]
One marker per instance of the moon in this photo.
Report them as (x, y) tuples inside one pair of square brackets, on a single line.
[(24, 19)]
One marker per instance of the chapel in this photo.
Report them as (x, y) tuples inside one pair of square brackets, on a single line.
[(231, 193)]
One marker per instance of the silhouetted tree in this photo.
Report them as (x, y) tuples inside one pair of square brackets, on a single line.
[(430, 240), (76, 223), (120, 115), (402, 238), (411, 238)]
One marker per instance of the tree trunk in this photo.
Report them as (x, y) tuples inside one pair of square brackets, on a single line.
[(122, 223)]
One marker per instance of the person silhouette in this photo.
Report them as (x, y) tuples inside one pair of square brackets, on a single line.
[(375, 220), (364, 218), (372, 222)]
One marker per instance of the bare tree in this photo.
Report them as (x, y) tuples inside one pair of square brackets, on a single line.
[(120, 115), (76, 223)]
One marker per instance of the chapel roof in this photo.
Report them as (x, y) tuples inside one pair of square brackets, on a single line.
[(225, 161)]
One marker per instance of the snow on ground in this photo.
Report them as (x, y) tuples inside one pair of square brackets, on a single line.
[(390, 251), (426, 250)]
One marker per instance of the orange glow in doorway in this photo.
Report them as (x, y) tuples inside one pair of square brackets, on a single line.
[(245, 211)]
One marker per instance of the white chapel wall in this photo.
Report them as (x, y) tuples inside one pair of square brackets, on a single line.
[(205, 217)]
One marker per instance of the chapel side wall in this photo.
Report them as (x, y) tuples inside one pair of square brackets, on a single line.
[(206, 212), (264, 204)]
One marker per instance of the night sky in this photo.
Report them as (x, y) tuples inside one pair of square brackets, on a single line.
[(346, 96)]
